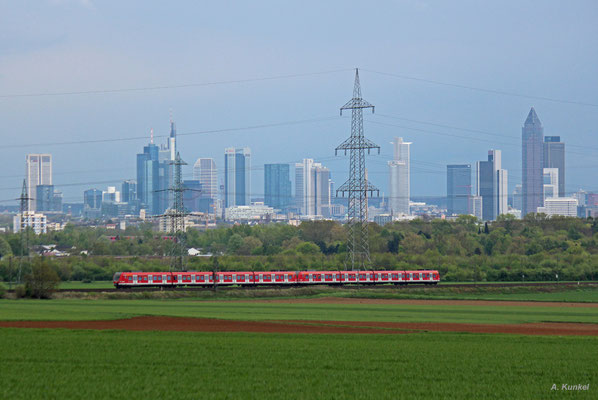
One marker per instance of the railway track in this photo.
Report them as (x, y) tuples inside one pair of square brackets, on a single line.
[(365, 287)]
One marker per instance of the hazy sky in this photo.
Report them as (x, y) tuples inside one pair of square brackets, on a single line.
[(537, 48)]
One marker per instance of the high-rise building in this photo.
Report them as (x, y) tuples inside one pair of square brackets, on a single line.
[(111, 195), (554, 157), (532, 135), (400, 178), (205, 171), (476, 206), (92, 198), (44, 198), (39, 172), (458, 188), (129, 191), (550, 183), (193, 195), (491, 184), (312, 188), (518, 197), (155, 174), (237, 176), (147, 178), (277, 186)]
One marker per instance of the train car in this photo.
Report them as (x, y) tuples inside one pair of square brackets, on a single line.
[(272, 278)]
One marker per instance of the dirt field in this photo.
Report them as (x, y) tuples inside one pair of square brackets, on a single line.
[(217, 325), (343, 300)]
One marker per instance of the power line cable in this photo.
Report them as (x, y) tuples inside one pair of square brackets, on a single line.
[(485, 90), (176, 86)]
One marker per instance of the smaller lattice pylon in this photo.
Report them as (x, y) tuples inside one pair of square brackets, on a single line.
[(177, 214), (23, 227)]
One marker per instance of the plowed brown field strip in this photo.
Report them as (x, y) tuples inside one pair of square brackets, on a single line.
[(218, 325)]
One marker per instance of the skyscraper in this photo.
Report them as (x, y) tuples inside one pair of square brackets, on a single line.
[(44, 198), (147, 179), (39, 172), (277, 186), (155, 174), (400, 177), (237, 176), (554, 157), (458, 189), (312, 188), (491, 183), (129, 191), (532, 163), (205, 171)]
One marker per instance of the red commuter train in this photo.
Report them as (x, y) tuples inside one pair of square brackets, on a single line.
[(282, 278)]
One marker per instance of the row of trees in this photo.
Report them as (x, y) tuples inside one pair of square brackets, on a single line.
[(535, 248)]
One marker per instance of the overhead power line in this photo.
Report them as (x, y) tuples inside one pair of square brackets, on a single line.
[(485, 90), (204, 132), (175, 86)]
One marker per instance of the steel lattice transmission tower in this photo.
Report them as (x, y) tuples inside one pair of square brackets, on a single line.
[(357, 187), (23, 227), (177, 216)]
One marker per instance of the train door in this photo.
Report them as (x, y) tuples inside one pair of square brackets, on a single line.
[(134, 279)]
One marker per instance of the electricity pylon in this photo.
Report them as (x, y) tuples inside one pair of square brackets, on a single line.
[(357, 186)]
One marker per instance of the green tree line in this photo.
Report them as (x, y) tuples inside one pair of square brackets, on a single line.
[(535, 248)]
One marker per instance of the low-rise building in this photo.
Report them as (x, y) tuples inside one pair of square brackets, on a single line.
[(30, 219), (565, 206)]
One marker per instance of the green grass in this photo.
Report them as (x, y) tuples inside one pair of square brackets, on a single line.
[(83, 285), (582, 294), (72, 309), (63, 364)]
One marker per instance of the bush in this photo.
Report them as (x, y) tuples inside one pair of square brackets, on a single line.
[(20, 292), (42, 281)]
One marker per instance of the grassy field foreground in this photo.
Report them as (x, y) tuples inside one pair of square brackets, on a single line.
[(75, 309), (183, 365)]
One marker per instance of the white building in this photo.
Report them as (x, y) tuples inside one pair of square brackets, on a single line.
[(399, 184), (111, 195), (565, 206), (475, 205), (39, 172), (30, 219), (165, 221), (313, 189), (252, 212), (551, 182), (205, 171)]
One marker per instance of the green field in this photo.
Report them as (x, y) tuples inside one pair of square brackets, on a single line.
[(75, 309), (66, 364), (84, 285)]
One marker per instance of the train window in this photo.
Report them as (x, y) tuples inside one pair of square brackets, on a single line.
[(352, 276), (415, 276), (384, 276), (395, 276), (361, 276), (327, 276)]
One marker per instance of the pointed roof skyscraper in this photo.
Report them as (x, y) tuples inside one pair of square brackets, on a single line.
[(532, 118), (532, 162)]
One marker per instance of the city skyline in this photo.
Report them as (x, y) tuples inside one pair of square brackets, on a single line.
[(448, 44)]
